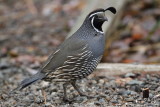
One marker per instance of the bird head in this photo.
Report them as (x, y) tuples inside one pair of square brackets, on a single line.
[(97, 18)]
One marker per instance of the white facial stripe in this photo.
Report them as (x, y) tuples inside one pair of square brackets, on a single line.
[(94, 14), (94, 27)]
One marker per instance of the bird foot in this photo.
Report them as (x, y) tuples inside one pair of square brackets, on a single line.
[(88, 96), (65, 99)]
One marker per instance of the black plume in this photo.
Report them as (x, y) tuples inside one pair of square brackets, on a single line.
[(112, 9)]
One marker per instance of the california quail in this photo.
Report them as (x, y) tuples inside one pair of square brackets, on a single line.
[(78, 56)]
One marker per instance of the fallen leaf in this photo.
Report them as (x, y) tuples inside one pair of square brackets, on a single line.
[(128, 61)]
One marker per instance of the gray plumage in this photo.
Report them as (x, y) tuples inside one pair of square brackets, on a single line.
[(76, 57)]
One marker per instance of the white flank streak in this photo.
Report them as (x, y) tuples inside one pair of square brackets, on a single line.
[(70, 69), (95, 28), (83, 53), (85, 47), (63, 74), (62, 67)]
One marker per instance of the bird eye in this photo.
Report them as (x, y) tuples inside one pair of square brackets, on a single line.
[(96, 16)]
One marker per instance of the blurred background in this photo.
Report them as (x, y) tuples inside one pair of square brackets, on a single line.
[(31, 29), (137, 35)]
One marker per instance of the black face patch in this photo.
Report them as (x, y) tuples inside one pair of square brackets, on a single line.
[(97, 23)]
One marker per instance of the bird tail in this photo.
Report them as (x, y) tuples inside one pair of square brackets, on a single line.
[(28, 81)]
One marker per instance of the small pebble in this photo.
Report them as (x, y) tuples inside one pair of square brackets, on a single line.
[(130, 75), (97, 103), (114, 101), (135, 82), (129, 99), (124, 92)]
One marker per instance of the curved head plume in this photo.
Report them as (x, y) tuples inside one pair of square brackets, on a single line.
[(112, 9)]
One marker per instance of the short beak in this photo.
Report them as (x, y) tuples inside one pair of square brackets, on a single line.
[(105, 19)]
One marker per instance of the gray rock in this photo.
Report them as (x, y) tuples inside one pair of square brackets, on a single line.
[(135, 82), (80, 98), (133, 93), (130, 75), (101, 100), (4, 64), (114, 101), (48, 104), (124, 92), (97, 103), (136, 88), (129, 99)]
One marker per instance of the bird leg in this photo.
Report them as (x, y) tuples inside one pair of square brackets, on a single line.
[(79, 90), (44, 95), (65, 98)]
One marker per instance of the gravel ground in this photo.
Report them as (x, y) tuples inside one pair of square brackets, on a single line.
[(120, 90)]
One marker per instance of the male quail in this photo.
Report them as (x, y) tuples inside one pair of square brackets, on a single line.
[(76, 57)]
